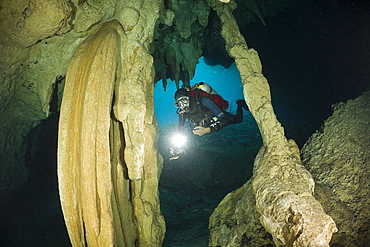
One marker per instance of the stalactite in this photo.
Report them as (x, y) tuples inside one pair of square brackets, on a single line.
[(282, 186), (108, 188), (83, 146)]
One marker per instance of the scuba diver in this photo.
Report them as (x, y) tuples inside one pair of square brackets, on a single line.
[(205, 109)]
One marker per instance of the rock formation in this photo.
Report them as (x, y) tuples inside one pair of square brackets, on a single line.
[(108, 165), (30, 71), (338, 158), (283, 188)]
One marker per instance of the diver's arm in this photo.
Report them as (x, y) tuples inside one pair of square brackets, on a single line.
[(181, 124), (219, 124), (215, 126), (200, 130)]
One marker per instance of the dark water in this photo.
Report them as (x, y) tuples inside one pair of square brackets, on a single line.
[(195, 183)]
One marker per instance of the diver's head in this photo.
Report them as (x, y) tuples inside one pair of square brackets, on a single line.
[(181, 92), (182, 100)]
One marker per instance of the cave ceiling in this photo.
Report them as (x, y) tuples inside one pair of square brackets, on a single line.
[(189, 30)]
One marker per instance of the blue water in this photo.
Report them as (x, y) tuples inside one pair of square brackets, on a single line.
[(225, 81)]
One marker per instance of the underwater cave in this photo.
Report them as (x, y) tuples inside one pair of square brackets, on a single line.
[(124, 189)]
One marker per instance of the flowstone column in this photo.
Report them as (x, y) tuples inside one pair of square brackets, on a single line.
[(283, 188), (108, 163)]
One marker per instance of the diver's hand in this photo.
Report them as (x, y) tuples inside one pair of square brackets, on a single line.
[(199, 130)]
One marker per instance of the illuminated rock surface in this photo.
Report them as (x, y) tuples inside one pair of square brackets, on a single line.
[(108, 165)]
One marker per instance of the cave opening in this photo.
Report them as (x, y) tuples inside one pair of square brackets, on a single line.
[(214, 164)]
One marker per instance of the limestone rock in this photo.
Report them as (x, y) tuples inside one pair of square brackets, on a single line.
[(284, 199), (282, 186), (166, 17), (90, 13), (192, 23), (29, 77), (109, 187), (338, 158), (235, 221), (26, 22), (97, 153), (29, 72), (183, 16), (83, 178)]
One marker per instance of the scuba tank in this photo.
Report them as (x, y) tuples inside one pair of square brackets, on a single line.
[(205, 87), (207, 91)]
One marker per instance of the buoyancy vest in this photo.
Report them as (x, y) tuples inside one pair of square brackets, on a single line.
[(199, 115)]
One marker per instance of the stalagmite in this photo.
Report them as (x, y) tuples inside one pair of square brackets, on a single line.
[(108, 165), (282, 186)]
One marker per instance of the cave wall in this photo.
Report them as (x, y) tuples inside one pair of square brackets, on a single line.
[(191, 29), (34, 73), (338, 158), (109, 198), (28, 73)]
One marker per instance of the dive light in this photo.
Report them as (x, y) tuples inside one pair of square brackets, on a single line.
[(178, 141)]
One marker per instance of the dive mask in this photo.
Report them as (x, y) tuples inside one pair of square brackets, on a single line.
[(183, 104)]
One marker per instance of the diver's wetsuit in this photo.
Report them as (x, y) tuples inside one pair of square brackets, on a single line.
[(203, 115)]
